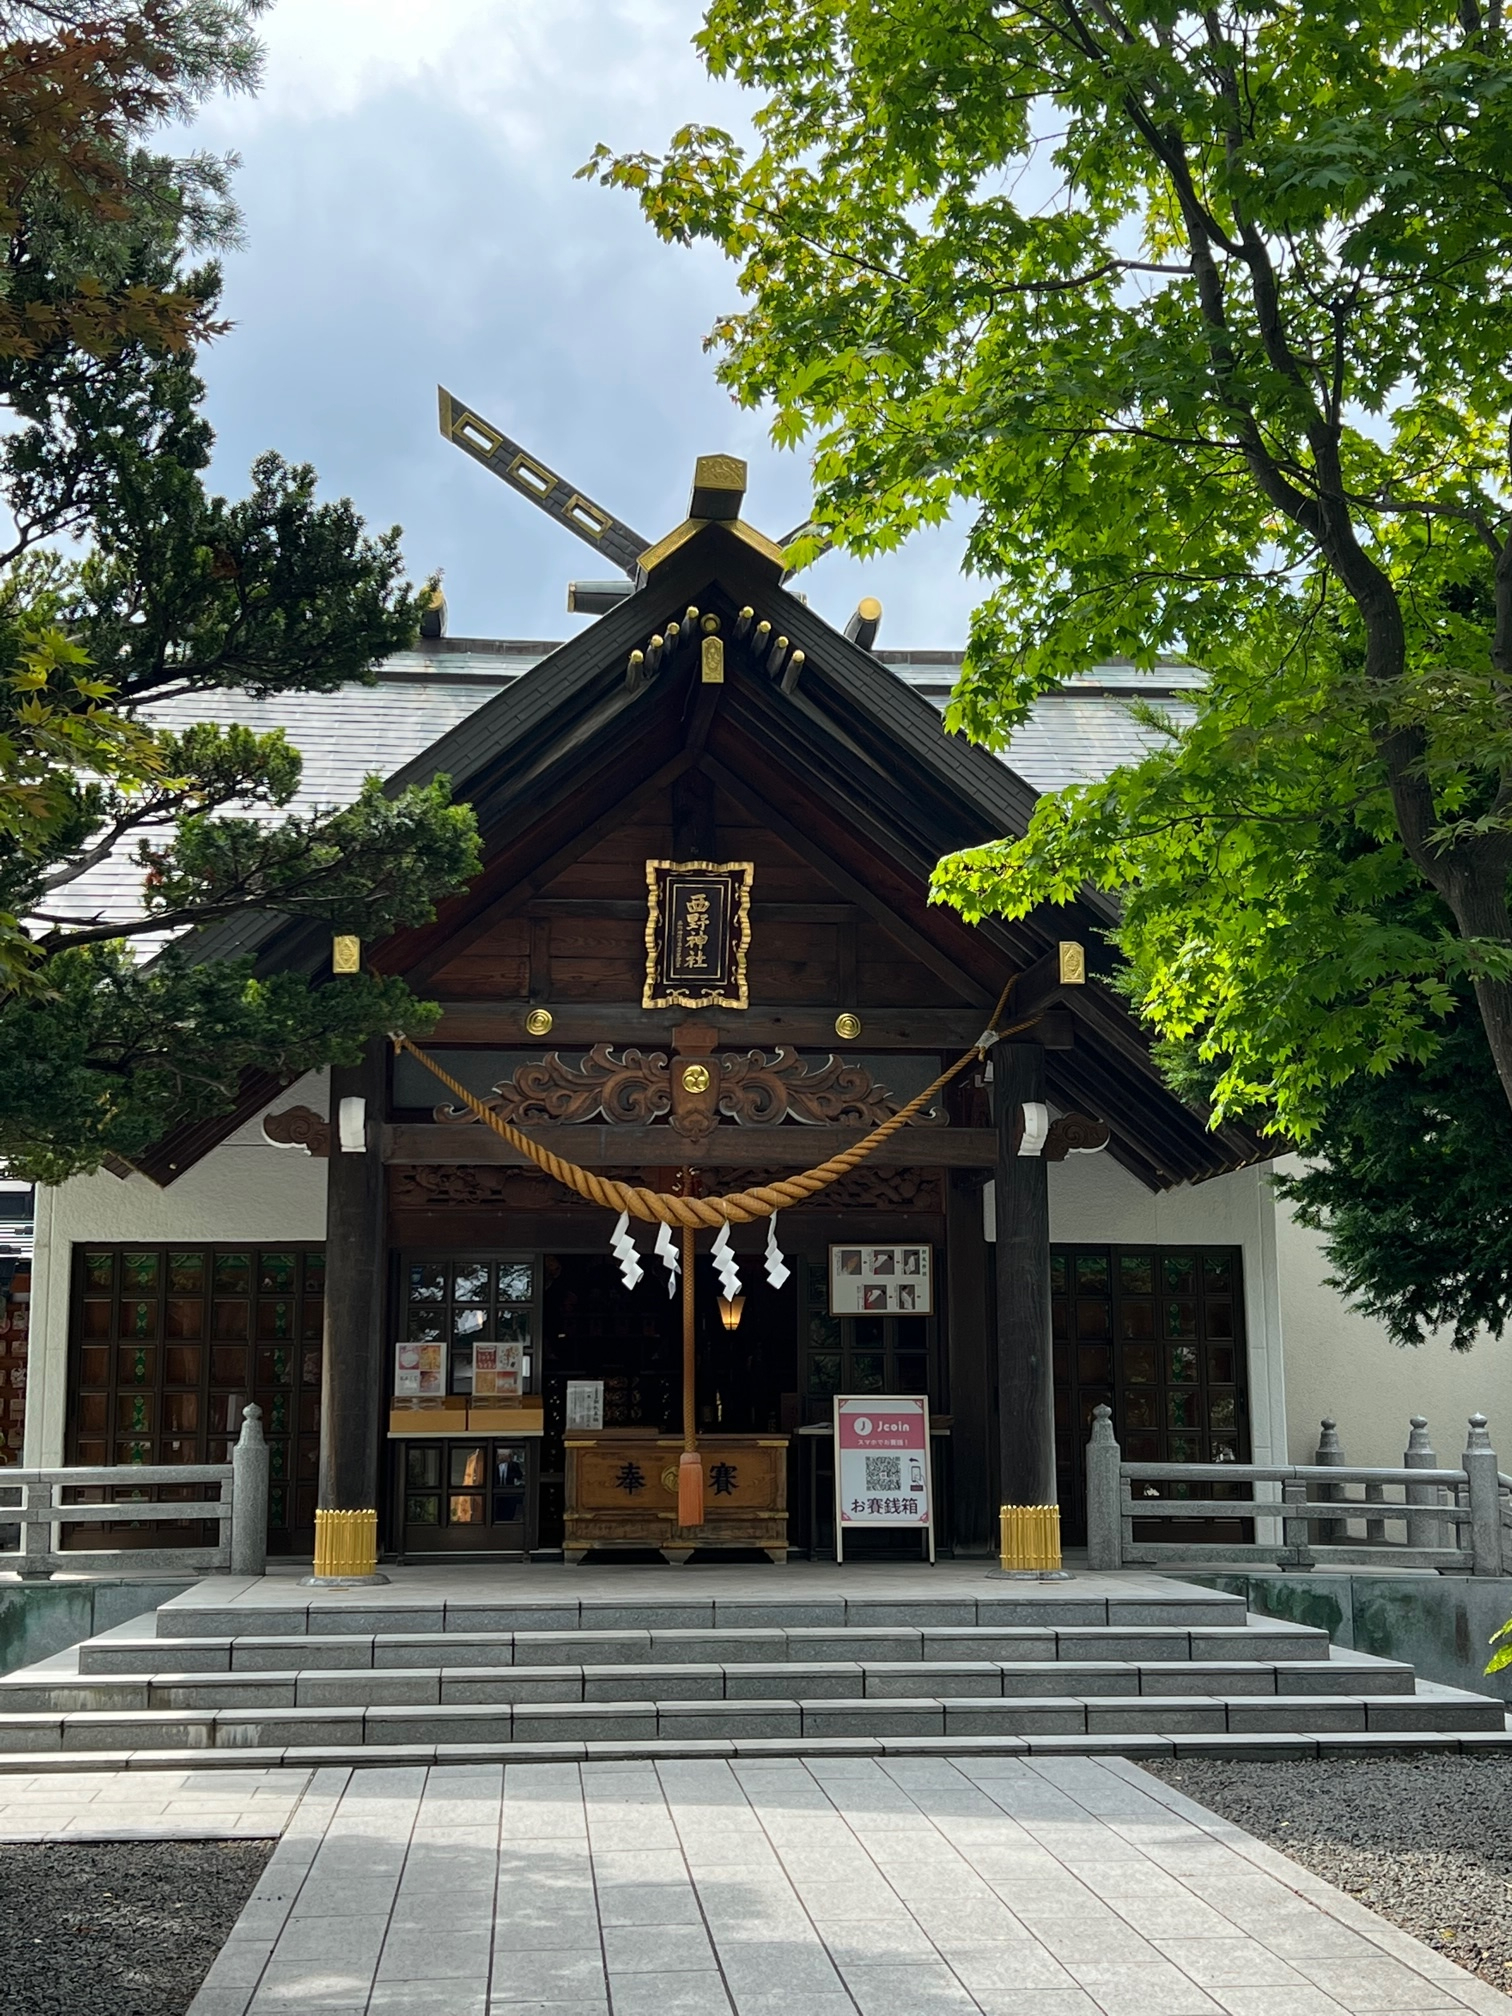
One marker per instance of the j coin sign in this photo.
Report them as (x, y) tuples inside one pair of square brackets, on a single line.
[(882, 1465)]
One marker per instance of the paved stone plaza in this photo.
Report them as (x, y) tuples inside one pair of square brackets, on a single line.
[(901, 1887), (615, 1871), (150, 1805)]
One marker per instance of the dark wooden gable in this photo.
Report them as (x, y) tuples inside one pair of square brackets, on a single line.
[(839, 783), (581, 937)]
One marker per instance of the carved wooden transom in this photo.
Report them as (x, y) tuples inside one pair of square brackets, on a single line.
[(634, 1087), (463, 1185)]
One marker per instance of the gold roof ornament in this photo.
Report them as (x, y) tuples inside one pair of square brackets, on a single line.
[(719, 487), (719, 483)]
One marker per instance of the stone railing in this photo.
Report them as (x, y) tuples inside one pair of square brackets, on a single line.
[(43, 1502), (1303, 1514)]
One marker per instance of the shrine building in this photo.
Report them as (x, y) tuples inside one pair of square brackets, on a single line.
[(700, 957)]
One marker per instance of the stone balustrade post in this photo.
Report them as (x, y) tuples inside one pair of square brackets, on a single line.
[(249, 1496), (1104, 1499), (1296, 1553), (1483, 1484), (1419, 1455), (1331, 1532), (39, 1537)]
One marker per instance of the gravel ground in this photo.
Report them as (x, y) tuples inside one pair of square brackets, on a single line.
[(117, 1929), (1422, 1840)]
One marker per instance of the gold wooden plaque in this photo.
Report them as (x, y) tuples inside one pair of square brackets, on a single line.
[(346, 953), (698, 932)]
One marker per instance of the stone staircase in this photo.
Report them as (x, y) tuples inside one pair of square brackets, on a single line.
[(377, 1677)]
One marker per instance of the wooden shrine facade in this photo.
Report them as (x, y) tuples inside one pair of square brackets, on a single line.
[(710, 718)]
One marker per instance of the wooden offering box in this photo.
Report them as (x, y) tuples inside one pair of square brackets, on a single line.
[(622, 1492)]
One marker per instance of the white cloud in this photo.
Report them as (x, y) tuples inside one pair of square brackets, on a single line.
[(517, 65), (412, 217)]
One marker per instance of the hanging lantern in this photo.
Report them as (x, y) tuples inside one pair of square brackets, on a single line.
[(731, 1309)]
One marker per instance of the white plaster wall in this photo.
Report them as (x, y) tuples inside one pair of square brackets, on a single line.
[(1342, 1364), (1093, 1198), (247, 1189)]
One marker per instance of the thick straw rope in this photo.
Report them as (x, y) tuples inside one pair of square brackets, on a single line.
[(656, 1207)]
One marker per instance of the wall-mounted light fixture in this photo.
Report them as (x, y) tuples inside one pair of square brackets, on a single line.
[(731, 1309)]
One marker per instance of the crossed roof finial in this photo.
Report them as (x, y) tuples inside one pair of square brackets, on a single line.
[(719, 483)]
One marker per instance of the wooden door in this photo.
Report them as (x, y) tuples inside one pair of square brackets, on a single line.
[(1157, 1334)]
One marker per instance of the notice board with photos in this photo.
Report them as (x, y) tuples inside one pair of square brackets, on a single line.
[(497, 1371), (870, 1280), (419, 1371), (882, 1475)]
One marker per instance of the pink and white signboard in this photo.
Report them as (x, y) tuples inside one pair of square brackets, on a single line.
[(882, 1465)]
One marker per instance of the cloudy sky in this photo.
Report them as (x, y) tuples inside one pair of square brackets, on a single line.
[(412, 217)]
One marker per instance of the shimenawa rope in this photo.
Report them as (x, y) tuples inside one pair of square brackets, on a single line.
[(656, 1207)]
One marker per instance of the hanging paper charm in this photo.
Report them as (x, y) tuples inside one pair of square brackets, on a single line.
[(777, 1269), (622, 1246), (667, 1253), (724, 1264)]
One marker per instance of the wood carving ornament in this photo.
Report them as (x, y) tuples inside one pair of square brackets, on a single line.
[(1071, 1134), (693, 1089), (299, 1127)]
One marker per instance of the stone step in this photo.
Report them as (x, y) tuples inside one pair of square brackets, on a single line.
[(1260, 1639), (297, 1687), (375, 1756), (199, 1614), (296, 1729)]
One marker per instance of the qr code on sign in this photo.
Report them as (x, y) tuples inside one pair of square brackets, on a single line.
[(884, 1473)]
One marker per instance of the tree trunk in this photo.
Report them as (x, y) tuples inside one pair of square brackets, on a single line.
[(1475, 889), (1470, 877)]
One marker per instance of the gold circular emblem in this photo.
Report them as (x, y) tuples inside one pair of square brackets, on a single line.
[(538, 1021), (696, 1078), (669, 1480), (848, 1026)]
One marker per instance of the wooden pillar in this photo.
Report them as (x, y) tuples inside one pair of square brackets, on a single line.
[(969, 1348), (354, 1377), (1026, 1394)]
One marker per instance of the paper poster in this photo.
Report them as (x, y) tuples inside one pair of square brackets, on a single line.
[(418, 1372), (585, 1403), (882, 1461), (881, 1281), (496, 1372)]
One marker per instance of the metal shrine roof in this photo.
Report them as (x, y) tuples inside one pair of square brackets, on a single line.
[(1075, 735)]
